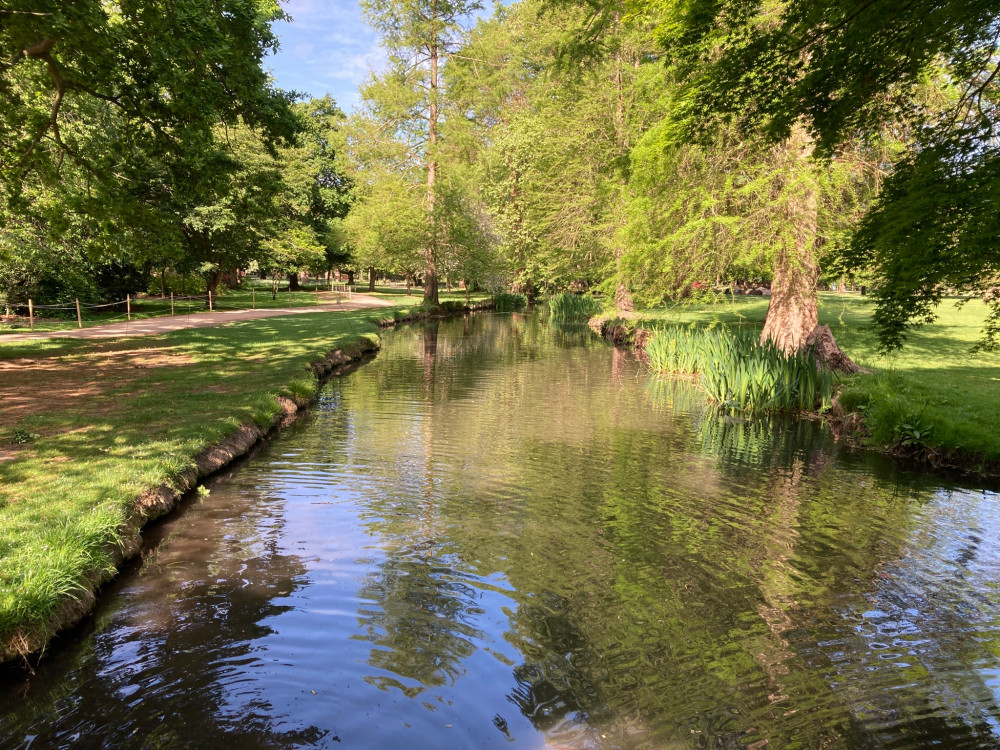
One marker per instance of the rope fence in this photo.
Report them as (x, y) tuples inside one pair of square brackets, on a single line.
[(144, 308)]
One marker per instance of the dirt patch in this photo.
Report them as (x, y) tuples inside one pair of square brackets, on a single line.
[(31, 386)]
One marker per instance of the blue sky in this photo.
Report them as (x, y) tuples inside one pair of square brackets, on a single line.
[(327, 48)]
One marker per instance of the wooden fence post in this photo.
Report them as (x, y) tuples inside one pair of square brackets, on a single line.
[(79, 318), (210, 302), (31, 314), (128, 306), (253, 297), (171, 303)]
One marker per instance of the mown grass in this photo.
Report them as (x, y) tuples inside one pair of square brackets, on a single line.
[(934, 386), (251, 296), (65, 496)]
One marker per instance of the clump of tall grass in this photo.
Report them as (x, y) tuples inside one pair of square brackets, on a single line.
[(566, 305), (739, 372), (506, 302)]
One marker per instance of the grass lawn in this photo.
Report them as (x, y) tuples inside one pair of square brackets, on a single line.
[(104, 420), (257, 296), (933, 383)]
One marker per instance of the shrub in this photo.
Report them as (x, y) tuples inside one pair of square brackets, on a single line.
[(566, 305), (452, 306), (505, 302)]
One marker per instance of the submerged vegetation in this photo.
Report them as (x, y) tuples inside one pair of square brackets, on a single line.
[(738, 371)]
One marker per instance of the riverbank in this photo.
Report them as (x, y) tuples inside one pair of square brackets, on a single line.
[(99, 437), (933, 403)]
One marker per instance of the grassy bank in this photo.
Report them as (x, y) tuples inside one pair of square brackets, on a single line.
[(932, 400), (89, 426)]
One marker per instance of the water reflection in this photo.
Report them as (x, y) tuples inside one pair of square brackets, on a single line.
[(501, 532)]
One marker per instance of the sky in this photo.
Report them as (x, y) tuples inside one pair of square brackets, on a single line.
[(327, 48)]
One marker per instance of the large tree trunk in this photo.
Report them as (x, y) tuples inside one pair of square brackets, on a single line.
[(371, 278), (350, 278), (293, 282), (212, 281), (623, 298), (430, 254), (793, 312)]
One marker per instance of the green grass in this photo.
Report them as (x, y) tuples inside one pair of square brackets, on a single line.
[(257, 296), (566, 306), (934, 384), (506, 302), (740, 373), (64, 497), (416, 294)]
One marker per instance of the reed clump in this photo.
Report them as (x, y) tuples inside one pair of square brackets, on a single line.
[(507, 302), (739, 372), (566, 306)]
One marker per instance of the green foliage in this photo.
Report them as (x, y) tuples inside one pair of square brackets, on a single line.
[(829, 66), (915, 435), (918, 262), (507, 302), (451, 306), (566, 306), (739, 372), (17, 436)]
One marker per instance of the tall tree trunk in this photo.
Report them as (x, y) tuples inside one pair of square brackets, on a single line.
[(212, 281), (293, 282), (350, 278), (430, 254), (793, 311), (371, 278)]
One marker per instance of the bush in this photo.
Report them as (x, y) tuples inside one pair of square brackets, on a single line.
[(509, 302), (566, 305), (453, 306), (739, 372)]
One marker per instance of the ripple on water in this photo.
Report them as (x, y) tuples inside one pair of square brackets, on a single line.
[(502, 534)]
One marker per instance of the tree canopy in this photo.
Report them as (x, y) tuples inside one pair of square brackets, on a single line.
[(643, 151)]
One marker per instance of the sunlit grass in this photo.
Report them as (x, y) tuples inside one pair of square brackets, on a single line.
[(740, 373), (934, 379), (250, 297), (65, 496), (568, 306)]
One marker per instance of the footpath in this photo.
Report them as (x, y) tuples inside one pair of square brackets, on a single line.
[(163, 324)]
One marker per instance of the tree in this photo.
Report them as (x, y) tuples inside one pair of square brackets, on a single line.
[(830, 71), (418, 35), (170, 71), (555, 138), (116, 127)]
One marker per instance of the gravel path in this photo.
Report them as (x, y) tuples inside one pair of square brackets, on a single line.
[(151, 326)]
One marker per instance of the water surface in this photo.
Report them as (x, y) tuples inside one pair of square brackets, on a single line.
[(500, 533)]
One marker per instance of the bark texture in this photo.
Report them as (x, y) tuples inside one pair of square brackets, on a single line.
[(829, 353), (793, 311)]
